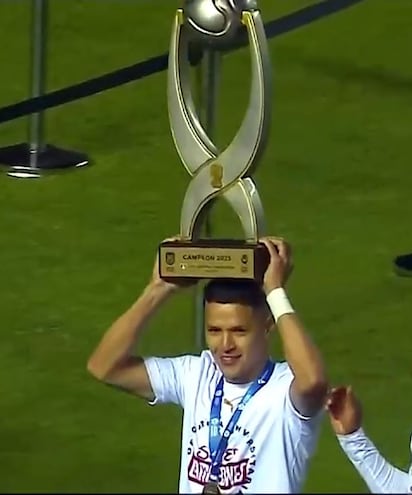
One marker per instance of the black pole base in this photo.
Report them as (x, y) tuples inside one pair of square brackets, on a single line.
[(403, 265), (49, 159)]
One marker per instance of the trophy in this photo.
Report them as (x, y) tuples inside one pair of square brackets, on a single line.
[(218, 24)]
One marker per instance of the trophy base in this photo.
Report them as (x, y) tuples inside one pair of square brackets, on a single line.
[(212, 258)]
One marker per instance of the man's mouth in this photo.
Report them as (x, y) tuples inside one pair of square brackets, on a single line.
[(228, 360)]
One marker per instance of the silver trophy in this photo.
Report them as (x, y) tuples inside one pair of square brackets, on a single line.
[(218, 24)]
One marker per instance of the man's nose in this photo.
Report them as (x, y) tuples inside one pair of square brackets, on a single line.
[(228, 341)]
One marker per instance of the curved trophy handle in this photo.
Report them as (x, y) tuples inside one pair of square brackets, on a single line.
[(251, 139), (191, 141), (244, 198)]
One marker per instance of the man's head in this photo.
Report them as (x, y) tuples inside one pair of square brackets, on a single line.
[(237, 323)]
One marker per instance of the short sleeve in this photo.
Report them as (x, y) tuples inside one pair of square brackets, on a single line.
[(169, 377), (286, 380), (300, 417), (302, 430)]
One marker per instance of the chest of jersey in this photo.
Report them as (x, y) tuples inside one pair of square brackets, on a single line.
[(260, 418)]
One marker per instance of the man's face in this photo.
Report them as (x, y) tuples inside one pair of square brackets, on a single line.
[(237, 336)]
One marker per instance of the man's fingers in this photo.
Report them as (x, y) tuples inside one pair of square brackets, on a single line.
[(278, 246), (282, 247), (270, 247), (275, 238)]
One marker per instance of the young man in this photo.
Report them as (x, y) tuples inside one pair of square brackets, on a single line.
[(250, 424), (346, 419)]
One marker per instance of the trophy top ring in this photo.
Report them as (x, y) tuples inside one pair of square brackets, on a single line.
[(216, 22)]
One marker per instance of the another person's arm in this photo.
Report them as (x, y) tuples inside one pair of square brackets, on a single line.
[(309, 386), (346, 419)]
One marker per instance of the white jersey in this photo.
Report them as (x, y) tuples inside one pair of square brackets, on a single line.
[(376, 471), (269, 450)]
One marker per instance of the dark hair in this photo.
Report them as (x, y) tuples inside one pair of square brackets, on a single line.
[(242, 291)]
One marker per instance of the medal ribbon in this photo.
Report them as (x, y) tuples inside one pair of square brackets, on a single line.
[(218, 444)]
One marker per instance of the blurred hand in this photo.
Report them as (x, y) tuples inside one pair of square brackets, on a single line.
[(280, 265), (344, 410)]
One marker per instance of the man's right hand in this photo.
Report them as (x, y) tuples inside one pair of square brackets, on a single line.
[(344, 410), (172, 284)]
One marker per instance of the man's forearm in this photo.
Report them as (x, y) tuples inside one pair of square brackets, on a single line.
[(119, 341), (376, 471), (300, 352)]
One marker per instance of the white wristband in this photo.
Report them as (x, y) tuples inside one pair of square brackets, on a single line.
[(279, 303)]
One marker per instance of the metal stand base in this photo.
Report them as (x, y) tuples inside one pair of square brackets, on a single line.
[(49, 159), (403, 265)]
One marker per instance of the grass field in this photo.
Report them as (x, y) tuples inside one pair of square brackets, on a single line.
[(76, 249)]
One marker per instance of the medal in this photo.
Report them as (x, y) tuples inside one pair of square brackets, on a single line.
[(211, 488)]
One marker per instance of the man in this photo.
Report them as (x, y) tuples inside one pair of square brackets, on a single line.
[(346, 419), (250, 424)]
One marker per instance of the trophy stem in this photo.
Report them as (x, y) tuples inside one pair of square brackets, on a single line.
[(209, 81), (208, 78)]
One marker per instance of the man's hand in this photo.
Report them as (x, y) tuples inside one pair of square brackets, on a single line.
[(280, 264), (344, 410), (170, 285)]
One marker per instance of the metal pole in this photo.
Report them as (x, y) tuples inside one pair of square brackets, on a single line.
[(208, 79), (31, 158), (38, 70)]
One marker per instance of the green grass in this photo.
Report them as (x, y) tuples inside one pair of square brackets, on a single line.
[(76, 249)]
